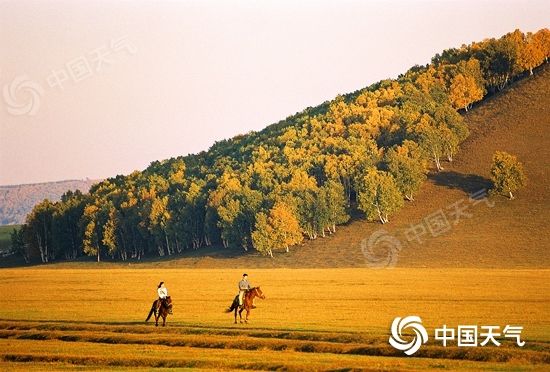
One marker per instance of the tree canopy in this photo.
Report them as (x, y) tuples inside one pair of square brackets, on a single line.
[(507, 173)]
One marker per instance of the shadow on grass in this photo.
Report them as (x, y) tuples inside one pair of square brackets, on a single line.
[(469, 183)]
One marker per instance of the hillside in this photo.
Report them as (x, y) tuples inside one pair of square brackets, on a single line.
[(361, 157), (18, 200), (510, 234)]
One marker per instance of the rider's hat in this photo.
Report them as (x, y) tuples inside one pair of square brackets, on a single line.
[(245, 274), (161, 283)]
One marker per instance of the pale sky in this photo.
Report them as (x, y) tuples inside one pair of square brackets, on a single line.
[(178, 75)]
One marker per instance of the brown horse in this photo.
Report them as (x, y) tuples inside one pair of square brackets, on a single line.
[(163, 311), (248, 297)]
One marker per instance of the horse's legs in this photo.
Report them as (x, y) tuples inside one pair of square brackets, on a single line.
[(246, 318), (237, 308), (241, 315), (157, 319), (163, 320)]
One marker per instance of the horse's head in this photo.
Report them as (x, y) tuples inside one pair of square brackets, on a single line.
[(259, 293), (168, 304)]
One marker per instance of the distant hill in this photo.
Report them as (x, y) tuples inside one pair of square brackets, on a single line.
[(17, 200)]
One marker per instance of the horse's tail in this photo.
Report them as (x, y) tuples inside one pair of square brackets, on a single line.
[(234, 305), (151, 312)]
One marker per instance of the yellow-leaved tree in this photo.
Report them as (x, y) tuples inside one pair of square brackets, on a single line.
[(278, 229), (464, 91), (531, 53), (507, 173)]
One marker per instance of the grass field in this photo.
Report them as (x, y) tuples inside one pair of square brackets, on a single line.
[(314, 318)]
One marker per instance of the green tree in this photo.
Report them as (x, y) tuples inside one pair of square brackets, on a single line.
[(430, 139), (262, 236), (507, 173), (39, 229), (67, 236), (407, 165), (285, 227), (18, 243), (453, 129), (91, 240), (333, 195), (110, 240), (378, 195)]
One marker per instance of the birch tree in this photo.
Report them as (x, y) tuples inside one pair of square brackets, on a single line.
[(378, 195), (507, 173)]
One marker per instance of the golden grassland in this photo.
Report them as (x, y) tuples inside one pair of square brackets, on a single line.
[(321, 319)]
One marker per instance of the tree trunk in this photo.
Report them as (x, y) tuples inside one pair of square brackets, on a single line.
[(40, 248), (437, 163), (380, 215), (167, 243), (73, 246), (46, 253)]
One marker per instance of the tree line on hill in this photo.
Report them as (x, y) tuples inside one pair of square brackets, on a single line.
[(366, 152)]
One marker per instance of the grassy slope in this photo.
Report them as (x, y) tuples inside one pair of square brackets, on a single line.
[(510, 234)]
